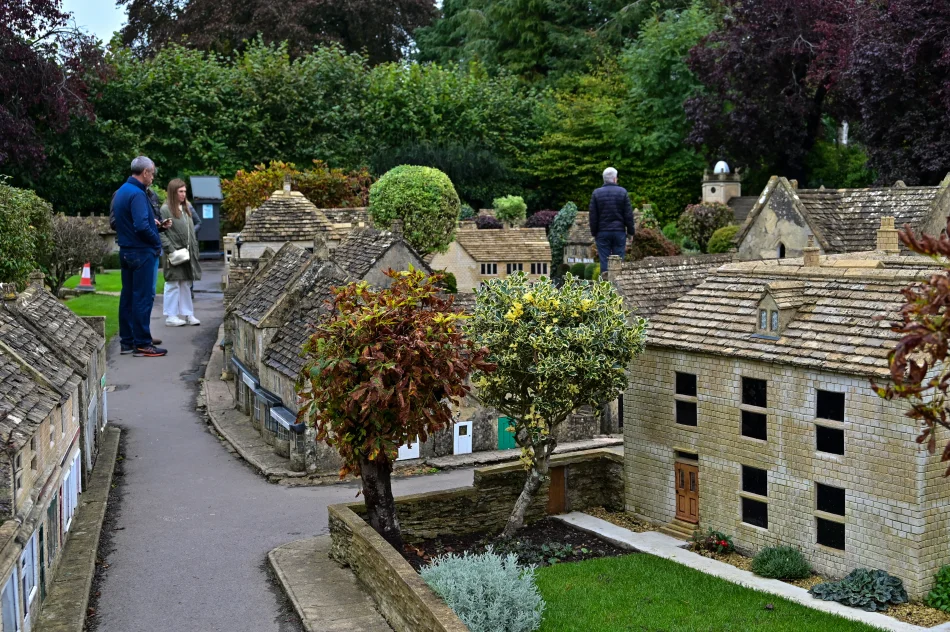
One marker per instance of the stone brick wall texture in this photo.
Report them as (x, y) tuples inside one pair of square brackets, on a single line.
[(897, 503)]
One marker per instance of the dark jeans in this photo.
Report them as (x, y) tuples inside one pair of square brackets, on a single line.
[(137, 297), (610, 242)]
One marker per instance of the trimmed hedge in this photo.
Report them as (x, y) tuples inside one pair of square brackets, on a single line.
[(424, 199)]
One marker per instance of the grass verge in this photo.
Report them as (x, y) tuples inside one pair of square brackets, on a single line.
[(98, 305), (111, 281), (643, 592)]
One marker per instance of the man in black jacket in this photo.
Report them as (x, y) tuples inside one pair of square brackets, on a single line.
[(611, 218)]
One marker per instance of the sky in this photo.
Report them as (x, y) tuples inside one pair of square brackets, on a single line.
[(100, 17)]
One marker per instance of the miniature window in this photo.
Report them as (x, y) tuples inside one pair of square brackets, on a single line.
[(489, 268), (755, 511), (539, 268), (754, 423), (830, 440), (755, 480), (830, 533), (829, 499), (781, 250), (754, 392), (686, 414), (763, 319), (773, 323), (830, 406), (515, 267)]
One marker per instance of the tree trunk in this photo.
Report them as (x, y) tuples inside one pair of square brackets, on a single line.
[(536, 476), (378, 496)]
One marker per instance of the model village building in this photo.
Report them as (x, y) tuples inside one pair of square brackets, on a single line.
[(751, 412), (477, 255), (52, 413)]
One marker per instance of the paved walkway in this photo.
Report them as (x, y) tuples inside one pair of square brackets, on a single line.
[(196, 523), (670, 548), (327, 597)]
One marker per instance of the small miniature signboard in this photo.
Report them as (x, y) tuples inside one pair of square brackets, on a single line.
[(207, 211)]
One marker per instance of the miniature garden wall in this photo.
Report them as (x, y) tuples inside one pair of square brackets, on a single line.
[(593, 478)]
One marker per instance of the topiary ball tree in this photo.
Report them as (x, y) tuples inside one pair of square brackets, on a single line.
[(700, 221), (383, 367), (554, 350), (722, 240), (510, 209), (424, 199)]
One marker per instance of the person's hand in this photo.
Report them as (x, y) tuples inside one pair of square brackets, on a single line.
[(167, 223)]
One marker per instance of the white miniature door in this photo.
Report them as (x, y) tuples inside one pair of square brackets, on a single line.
[(463, 437), (410, 451)]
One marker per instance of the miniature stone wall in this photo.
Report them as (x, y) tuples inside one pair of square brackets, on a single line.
[(897, 504)]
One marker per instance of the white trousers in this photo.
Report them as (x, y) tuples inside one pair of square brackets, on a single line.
[(177, 299)]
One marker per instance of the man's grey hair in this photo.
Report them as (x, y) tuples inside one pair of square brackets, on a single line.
[(610, 175), (144, 163)]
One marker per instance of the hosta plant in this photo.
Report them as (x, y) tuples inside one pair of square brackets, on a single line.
[(488, 592), (939, 596), (865, 589), (555, 349)]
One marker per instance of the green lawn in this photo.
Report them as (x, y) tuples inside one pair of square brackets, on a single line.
[(98, 305), (646, 593), (111, 281)]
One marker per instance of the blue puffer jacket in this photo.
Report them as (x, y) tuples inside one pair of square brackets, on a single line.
[(134, 219), (610, 210)]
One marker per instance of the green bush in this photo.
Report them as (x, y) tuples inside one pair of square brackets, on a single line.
[(578, 270), (589, 271), (25, 221), (488, 592), (111, 261), (449, 282), (721, 240), (558, 231), (672, 232), (781, 562), (467, 212), (865, 589), (700, 221), (939, 595), (424, 199), (510, 208), (712, 541)]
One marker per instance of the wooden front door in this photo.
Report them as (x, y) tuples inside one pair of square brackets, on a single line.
[(687, 492), (557, 492)]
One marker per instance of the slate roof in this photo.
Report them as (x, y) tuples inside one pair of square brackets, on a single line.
[(848, 219), (283, 351), (834, 328), (60, 327), (270, 282), (286, 216), (28, 403), (652, 283), (27, 345), (362, 248), (353, 215), (239, 271), (506, 245), (579, 235), (741, 206)]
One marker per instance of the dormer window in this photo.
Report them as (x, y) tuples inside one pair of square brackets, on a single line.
[(778, 306), (763, 319), (773, 322)]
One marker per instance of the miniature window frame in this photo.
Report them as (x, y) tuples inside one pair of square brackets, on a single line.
[(750, 498), (751, 414), (686, 403), (830, 522), (829, 430), (489, 269)]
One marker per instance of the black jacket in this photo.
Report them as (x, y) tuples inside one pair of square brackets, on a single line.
[(610, 210)]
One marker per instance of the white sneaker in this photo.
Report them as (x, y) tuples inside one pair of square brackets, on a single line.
[(174, 321), (191, 320)]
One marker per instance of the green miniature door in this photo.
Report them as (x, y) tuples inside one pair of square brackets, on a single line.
[(506, 440)]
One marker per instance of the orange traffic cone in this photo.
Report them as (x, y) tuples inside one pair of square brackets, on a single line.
[(85, 281)]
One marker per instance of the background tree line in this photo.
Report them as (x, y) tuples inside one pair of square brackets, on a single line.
[(507, 97)]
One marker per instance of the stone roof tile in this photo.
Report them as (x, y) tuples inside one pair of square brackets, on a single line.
[(270, 282), (26, 401), (651, 284), (286, 216), (506, 245)]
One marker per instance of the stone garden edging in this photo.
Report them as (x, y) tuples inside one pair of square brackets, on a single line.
[(594, 478)]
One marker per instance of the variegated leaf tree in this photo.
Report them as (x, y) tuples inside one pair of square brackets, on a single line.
[(384, 367), (555, 350)]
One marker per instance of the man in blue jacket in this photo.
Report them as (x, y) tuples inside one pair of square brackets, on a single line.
[(139, 248), (611, 218)]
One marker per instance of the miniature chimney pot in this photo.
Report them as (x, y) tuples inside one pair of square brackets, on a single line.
[(37, 279), (887, 240), (287, 183), (321, 251), (396, 228), (811, 258)]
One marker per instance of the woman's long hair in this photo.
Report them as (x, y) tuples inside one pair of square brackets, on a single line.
[(172, 200)]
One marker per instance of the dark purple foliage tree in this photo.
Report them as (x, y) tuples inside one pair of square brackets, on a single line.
[(43, 68), (487, 221), (382, 29), (768, 80), (893, 63), (541, 219)]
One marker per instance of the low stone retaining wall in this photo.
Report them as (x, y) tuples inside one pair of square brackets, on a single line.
[(592, 478)]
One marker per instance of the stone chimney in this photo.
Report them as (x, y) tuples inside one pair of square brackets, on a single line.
[(811, 251), (37, 279), (396, 228), (247, 212), (613, 267), (887, 240), (321, 251), (287, 184), (900, 185), (794, 184), (8, 291)]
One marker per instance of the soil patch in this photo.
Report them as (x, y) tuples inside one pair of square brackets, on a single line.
[(543, 543), (621, 519), (918, 614)]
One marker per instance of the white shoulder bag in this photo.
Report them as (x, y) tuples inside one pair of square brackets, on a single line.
[(178, 257)]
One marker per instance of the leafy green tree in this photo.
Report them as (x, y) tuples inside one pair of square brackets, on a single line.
[(557, 235), (699, 221), (423, 199), (510, 208), (75, 241), (722, 240), (555, 349), (384, 367), (19, 238)]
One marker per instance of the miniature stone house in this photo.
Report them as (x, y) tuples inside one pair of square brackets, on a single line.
[(751, 412), (579, 246), (723, 186), (478, 255), (51, 374), (841, 220)]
